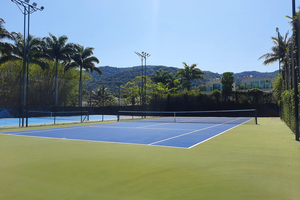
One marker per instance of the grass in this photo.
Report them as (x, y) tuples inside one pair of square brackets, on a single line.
[(248, 162)]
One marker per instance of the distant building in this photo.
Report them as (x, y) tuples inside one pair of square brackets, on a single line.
[(264, 83), (214, 84), (247, 83)]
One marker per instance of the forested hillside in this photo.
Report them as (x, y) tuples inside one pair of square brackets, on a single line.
[(113, 77)]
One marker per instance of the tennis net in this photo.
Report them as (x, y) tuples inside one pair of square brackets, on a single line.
[(84, 115), (214, 117), (33, 113)]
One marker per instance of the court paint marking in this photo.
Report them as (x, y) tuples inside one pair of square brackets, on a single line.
[(41, 130), (183, 134), (19, 133), (191, 132), (154, 125), (142, 127), (102, 141), (217, 135)]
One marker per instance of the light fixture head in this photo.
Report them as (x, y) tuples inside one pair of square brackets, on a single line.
[(277, 29), (27, 1), (42, 8), (34, 4)]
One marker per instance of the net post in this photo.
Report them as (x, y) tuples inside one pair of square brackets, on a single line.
[(174, 117), (54, 114), (255, 116), (27, 113)]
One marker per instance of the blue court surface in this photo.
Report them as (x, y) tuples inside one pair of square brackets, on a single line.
[(180, 135)]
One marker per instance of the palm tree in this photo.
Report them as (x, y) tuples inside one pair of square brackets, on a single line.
[(4, 34), (279, 53), (58, 50), (160, 77), (188, 74), (83, 58), (103, 96), (16, 51)]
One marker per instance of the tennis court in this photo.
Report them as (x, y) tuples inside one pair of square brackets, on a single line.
[(142, 132)]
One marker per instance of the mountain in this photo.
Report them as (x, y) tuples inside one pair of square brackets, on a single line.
[(113, 77)]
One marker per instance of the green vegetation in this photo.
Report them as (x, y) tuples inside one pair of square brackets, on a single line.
[(188, 74), (281, 53), (59, 51), (286, 53), (227, 80), (103, 97), (113, 77), (42, 53), (249, 162), (40, 84), (83, 58)]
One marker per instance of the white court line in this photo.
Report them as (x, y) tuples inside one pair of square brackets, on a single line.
[(86, 140), (154, 125), (217, 134), (183, 134), (159, 124), (143, 127), (40, 130), (191, 132)]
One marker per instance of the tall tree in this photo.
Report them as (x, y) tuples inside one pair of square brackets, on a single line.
[(188, 74), (58, 50), (5, 47), (280, 52), (103, 97), (83, 59), (160, 77), (4, 34), (227, 80), (33, 48), (132, 90)]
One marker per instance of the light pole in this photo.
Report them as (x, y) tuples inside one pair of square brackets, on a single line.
[(28, 9), (141, 57), (145, 55)]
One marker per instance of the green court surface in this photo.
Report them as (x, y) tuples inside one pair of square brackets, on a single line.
[(248, 162)]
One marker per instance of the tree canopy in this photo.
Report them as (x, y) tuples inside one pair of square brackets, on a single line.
[(188, 74)]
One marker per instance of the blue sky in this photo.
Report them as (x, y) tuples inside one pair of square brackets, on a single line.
[(218, 35)]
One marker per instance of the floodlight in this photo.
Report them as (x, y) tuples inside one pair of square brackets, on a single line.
[(277, 29), (27, 11)]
